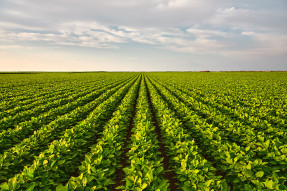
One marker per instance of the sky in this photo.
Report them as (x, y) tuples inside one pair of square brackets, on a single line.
[(137, 35)]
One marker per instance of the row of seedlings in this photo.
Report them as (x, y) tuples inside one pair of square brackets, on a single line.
[(16, 102), (15, 158), (243, 171), (226, 103), (51, 95), (219, 113), (145, 170), (10, 137), (29, 88), (12, 121), (59, 162), (98, 169), (265, 142), (192, 170)]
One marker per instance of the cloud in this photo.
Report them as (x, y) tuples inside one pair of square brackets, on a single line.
[(203, 33), (172, 4), (265, 44), (250, 29), (113, 12), (198, 46), (5, 47), (250, 19), (88, 34)]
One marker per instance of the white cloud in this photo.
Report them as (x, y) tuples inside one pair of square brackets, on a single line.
[(203, 33), (172, 4), (261, 46), (267, 44), (198, 46), (5, 47), (250, 19), (222, 27)]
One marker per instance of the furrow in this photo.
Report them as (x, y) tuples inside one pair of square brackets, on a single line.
[(192, 170), (169, 173), (14, 159), (258, 144), (99, 168), (11, 137), (13, 121), (242, 170), (56, 164)]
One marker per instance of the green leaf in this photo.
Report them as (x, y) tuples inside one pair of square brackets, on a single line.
[(256, 162), (61, 162), (162, 184), (183, 164), (247, 187), (120, 187), (55, 168), (4, 187), (229, 161), (196, 171), (259, 174), (144, 185), (235, 159), (93, 169), (269, 184), (31, 187), (266, 144), (89, 169), (45, 162), (248, 173), (85, 180), (187, 188), (207, 183), (30, 175), (176, 158), (61, 188)]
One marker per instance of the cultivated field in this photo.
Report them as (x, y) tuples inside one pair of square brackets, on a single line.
[(143, 131)]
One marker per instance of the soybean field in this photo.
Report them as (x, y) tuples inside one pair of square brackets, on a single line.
[(153, 131)]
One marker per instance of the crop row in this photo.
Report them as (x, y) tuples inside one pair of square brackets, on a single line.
[(14, 159), (147, 131), (98, 169), (145, 169), (269, 107), (29, 93), (21, 87), (59, 161), (257, 137), (243, 170), (43, 98), (43, 87), (21, 110), (13, 136), (192, 170)]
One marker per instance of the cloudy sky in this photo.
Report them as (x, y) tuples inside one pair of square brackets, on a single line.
[(143, 35)]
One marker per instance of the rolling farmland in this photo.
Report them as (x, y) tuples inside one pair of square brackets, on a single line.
[(143, 131)]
